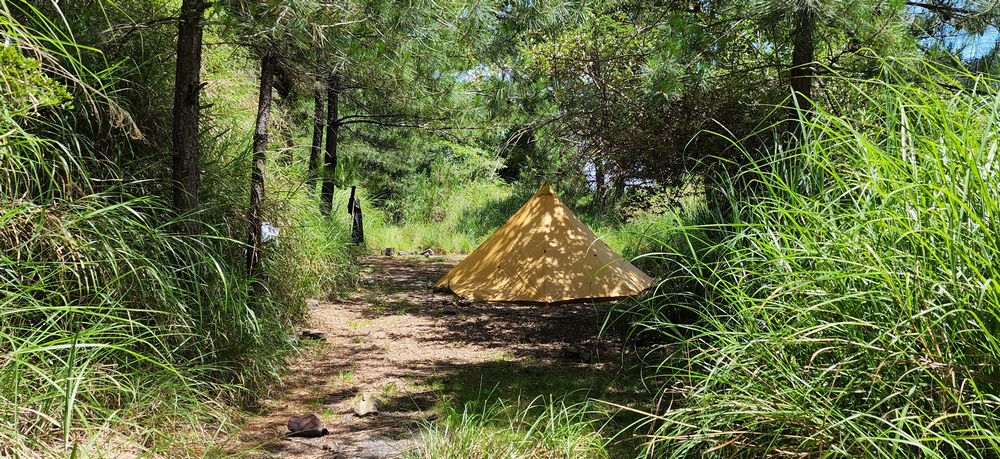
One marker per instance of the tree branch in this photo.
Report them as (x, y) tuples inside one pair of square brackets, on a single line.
[(946, 10)]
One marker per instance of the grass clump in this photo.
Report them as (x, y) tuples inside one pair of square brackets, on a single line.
[(546, 427), (842, 301), (104, 311)]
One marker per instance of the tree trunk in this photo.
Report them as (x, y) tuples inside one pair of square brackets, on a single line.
[(187, 110), (803, 52), (268, 64), (600, 182), (330, 159), (618, 182), (319, 124)]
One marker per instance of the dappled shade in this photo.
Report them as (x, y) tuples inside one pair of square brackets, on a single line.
[(544, 253)]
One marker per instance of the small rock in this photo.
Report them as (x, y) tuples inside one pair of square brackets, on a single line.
[(312, 304), (439, 289), (449, 311), (464, 302), (447, 302), (571, 352), (427, 253), (403, 253), (367, 405), (311, 335), (389, 251)]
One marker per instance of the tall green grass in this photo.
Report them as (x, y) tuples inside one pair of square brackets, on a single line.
[(119, 336), (312, 258), (457, 217), (451, 217), (848, 304), (108, 320)]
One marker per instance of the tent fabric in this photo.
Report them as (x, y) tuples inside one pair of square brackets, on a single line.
[(545, 254)]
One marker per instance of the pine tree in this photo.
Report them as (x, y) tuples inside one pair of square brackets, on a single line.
[(187, 113)]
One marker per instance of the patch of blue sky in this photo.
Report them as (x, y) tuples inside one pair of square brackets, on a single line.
[(972, 46)]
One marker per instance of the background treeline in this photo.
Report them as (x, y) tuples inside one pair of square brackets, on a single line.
[(814, 182)]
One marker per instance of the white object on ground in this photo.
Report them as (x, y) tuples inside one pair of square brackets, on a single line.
[(269, 232)]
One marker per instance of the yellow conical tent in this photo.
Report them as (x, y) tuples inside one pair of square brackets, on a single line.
[(545, 254)]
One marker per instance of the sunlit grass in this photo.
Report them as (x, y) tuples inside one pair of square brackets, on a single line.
[(119, 336), (546, 427), (845, 304), (841, 302), (450, 219)]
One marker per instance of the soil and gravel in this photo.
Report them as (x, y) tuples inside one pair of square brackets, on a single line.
[(398, 341)]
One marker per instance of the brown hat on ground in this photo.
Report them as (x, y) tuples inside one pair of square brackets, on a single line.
[(306, 425)]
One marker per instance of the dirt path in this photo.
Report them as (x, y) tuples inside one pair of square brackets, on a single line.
[(404, 344)]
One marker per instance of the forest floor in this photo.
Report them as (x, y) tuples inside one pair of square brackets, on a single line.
[(414, 349)]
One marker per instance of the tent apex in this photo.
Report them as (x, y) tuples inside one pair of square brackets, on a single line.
[(544, 189)]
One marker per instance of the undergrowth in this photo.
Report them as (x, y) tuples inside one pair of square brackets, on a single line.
[(118, 334), (450, 218), (840, 301), (843, 301)]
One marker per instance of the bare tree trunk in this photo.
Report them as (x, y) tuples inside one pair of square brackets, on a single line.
[(600, 182), (187, 111), (330, 159), (803, 55), (268, 64), (618, 182), (319, 124)]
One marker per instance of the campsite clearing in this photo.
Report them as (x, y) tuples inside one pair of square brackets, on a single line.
[(414, 349)]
